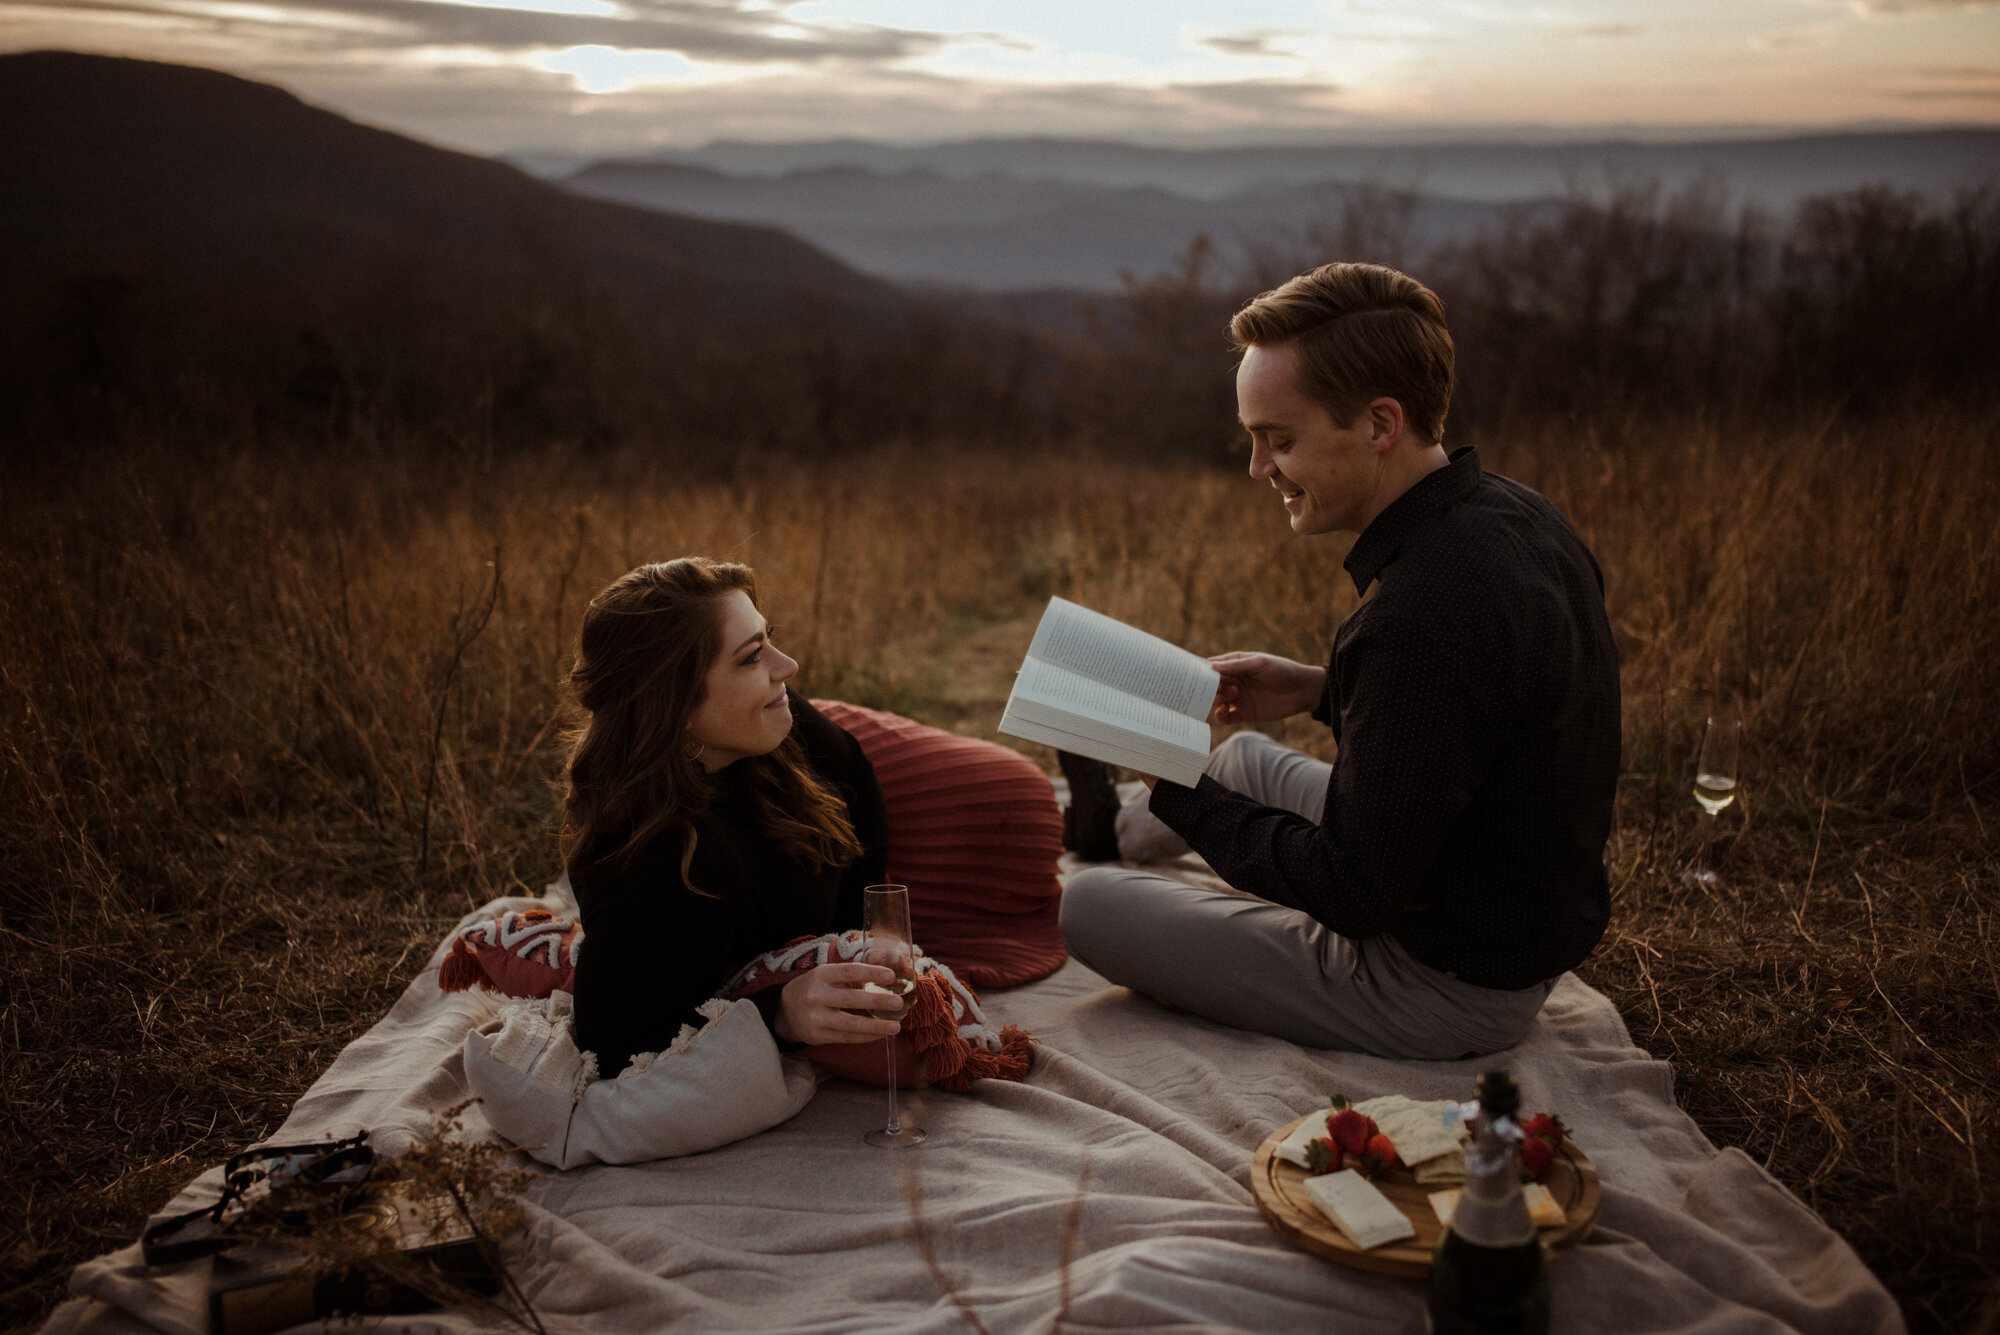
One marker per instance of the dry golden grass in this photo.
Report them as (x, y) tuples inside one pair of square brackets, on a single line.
[(269, 728)]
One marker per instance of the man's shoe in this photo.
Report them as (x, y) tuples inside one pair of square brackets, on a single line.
[(1090, 822)]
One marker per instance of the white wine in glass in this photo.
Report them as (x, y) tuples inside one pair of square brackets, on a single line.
[(885, 916), (1714, 791), (891, 1001), (1715, 779)]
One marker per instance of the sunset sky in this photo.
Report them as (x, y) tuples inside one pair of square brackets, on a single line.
[(615, 76)]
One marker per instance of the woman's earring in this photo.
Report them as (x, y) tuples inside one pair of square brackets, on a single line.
[(691, 749)]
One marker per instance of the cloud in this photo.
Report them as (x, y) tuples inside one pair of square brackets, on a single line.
[(610, 77), (511, 108), (704, 30), (1245, 44), (1286, 43), (1905, 9), (1796, 39), (1271, 96), (1937, 83)]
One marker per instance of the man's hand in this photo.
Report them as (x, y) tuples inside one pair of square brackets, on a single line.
[(819, 1006), (1261, 688)]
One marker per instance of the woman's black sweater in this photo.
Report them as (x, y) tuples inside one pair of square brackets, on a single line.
[(653, 950)]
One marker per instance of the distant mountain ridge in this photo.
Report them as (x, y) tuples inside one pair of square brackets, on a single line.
[(1777, 171), (994, 233), (1019, 215)]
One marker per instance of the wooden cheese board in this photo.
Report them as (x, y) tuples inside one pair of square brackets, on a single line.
[(1279, 1187)]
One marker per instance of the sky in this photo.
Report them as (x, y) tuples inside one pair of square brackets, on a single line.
[(602, 77)]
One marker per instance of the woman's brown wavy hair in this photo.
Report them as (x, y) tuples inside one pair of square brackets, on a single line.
[(642, 661)]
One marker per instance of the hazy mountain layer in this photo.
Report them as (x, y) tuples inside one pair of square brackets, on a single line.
[(1010, 215), (999, 234), (1775, 171)]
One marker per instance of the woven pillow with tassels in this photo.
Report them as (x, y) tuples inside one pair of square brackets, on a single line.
[(945, 1040), (527, 954)]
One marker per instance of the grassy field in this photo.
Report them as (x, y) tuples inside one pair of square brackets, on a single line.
[(269, 727)]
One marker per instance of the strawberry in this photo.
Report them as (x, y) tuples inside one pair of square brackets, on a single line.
[(1377, 1157), (1350, 1130), (1322, 1156), (1536, 1156), (1548, 1127)]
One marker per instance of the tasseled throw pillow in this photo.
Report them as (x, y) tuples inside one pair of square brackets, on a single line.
[(945, 1039), (520, 954)]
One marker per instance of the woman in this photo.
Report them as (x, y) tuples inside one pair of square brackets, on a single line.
[(711, 815)]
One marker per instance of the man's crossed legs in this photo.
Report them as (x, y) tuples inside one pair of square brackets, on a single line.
[(1252, 964)]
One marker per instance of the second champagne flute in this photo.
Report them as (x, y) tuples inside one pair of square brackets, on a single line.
[(1715, 783), (885, 915)]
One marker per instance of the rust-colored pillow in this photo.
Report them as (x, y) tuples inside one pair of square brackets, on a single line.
[(520, 954), (945, 1039), (975, 832)]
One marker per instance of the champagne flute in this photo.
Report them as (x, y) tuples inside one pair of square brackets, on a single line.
[(1715, 781), (885, 915)]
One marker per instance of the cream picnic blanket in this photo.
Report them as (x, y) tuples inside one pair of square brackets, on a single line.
[(1110, 1191)]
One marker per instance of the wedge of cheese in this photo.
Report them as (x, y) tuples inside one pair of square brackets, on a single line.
[(1292, 1149), (1542, 1207), (1362, 1213), (1414, 1126)]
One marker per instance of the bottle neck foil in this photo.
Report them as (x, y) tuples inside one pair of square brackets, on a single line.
[(1491, 1210)]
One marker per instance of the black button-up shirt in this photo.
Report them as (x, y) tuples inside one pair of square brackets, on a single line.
[(1474, 694)]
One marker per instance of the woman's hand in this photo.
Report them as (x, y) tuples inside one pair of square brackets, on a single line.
[(1261, 688), (821, 1005)]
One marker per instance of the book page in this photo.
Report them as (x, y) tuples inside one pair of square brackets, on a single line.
[(1113, 746), (1071, 693), (1125, 657)]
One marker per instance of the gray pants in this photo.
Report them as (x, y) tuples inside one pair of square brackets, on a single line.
[(1249, 963)]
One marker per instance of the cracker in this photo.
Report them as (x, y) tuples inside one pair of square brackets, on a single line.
[(1446, 1170), (1415, 1127)]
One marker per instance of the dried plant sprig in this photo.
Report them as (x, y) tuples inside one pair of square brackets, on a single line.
[(452, 1185)]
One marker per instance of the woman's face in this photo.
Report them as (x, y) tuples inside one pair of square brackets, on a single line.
[(746, 712)]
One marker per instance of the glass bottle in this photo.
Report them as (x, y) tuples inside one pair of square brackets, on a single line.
[(1487, 1275)]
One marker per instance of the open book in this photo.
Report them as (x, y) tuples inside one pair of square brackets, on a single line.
[(1103, 689)]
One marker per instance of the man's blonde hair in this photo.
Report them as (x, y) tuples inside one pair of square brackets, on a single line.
[(1362, 332)]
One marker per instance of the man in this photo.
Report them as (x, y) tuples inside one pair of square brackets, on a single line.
[(1419, 896)]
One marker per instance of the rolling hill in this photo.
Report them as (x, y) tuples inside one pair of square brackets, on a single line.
[(134, 161), (185, 251)]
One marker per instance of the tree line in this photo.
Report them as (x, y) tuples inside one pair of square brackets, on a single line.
[(1630, 302)]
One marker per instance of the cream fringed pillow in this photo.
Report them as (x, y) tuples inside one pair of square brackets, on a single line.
[(975, 832), (713, 1085)]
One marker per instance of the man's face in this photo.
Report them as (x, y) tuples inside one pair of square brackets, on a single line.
[(1329, 474)]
